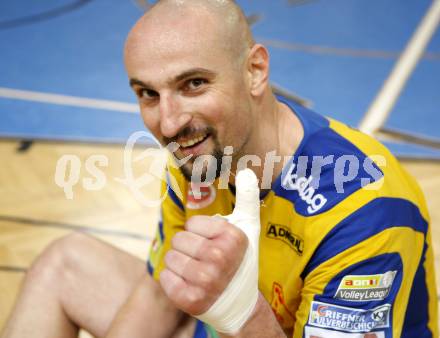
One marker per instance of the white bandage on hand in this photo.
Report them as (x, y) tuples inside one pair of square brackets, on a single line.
[(235, 305)]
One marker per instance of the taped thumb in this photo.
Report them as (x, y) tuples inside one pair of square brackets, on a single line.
[(246, 214), (235, 305)]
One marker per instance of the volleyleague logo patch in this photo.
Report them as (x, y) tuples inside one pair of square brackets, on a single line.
[(200, 196), (363, 288), (349, 319)]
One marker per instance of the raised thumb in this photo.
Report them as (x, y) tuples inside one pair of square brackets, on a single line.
[(235, 305), (247, 195)]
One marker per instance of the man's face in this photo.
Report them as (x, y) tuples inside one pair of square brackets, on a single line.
[(191, 89)]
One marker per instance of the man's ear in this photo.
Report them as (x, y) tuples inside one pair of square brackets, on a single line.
[(258, 69)]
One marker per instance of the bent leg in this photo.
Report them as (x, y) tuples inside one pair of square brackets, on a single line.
[(148, 313), (78, 281)]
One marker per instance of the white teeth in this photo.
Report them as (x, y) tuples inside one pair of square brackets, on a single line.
[(191, 142)]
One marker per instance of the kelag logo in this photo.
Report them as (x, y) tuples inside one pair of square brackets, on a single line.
[(303, 185)]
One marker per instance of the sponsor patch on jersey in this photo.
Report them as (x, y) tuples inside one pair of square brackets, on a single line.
[(314, 332), (364, 288), (305, 189), (349, 319), (283, 233), (200, 196), (279, 306)]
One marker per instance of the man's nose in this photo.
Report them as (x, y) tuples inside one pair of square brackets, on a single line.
[(172, 115)]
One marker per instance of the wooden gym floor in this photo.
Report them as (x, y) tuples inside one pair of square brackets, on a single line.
[(34, 210)]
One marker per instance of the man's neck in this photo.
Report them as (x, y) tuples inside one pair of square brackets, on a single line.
[(276, 137)]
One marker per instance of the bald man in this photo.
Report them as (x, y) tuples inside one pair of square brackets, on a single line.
[(340, 256)]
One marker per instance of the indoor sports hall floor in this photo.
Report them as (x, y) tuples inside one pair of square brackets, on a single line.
[(63, 91)]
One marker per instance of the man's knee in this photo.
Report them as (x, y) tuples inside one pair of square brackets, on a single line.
[(59, 260)]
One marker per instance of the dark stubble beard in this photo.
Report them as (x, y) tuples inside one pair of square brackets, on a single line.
[(192, 174), (188, 168)]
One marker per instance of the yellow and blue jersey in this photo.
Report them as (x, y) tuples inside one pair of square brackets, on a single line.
[(345, 245)]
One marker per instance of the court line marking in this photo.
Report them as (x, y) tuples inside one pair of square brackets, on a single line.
[(296, 3), (82, 228), (402, 136), (123, 107), (68, 100), (383, 104), (8, 268), (340, 51)]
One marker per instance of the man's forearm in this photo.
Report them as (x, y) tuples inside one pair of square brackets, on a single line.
[(262, 323)]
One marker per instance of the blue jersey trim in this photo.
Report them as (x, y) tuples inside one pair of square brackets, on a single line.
[(173, 195), (175, 199), (200, 331), (311, 122), (417, 311), (369, 220), (161, 234), (327, 178), (150, 268), (324, 157)]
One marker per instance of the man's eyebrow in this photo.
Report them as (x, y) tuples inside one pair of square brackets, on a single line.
[(136, 82), (193, 72), (178, 78)]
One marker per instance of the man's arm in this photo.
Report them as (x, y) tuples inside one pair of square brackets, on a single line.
[(211, 269), (262, 323), (201, 264), (368, 275)]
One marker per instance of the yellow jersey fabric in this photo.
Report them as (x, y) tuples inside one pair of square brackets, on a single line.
[(345, 245)]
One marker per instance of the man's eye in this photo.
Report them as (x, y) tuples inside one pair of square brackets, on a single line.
[(195, 83), (147, 93)]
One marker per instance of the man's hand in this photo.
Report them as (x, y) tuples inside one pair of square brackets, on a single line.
[(202, 262), (212, 270)]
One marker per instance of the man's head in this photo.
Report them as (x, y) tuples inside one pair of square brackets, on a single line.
[(199, 76)]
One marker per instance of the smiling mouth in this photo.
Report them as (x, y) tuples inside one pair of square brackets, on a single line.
[(193, 141)]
